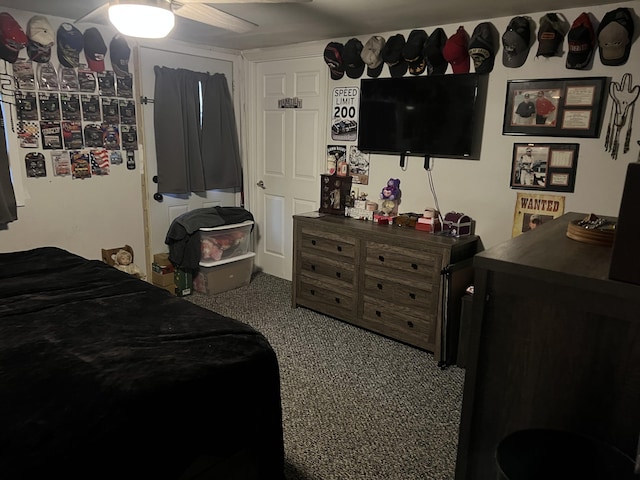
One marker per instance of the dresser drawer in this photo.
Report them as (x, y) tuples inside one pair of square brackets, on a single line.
[(325, 243), (316, 265), (418, 295), (416, 263), (313, 295), (414, 327)]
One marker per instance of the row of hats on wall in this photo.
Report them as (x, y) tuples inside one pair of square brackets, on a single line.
[(40, 38), (433, 53)]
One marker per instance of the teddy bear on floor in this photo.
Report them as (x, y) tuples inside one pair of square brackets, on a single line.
[(391, 190), (123, 260)]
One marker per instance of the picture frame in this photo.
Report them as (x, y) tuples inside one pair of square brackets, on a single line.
[(564, 107), (544, 166), (334, 192)]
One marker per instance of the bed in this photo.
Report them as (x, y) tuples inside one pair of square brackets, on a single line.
[(103, 375)]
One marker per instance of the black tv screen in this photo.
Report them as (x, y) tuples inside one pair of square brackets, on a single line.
[(438, 115)]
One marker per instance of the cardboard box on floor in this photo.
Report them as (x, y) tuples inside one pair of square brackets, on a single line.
[(162, 270)]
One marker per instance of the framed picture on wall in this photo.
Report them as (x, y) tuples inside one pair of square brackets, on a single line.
[(544, 166), (565, 107)]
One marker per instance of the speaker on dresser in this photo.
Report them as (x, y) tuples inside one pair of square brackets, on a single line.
[(625, 257)]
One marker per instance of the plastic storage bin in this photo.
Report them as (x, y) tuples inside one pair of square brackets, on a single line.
[(225, 242), (226, 275)]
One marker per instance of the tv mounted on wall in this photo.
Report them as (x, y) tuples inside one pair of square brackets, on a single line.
[(431, 116)]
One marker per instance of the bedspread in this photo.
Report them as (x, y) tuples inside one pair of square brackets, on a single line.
[(103, 375)]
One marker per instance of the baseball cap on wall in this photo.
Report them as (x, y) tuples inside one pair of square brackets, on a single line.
[(94, 49), (70, 44), (413, 52), (482, 48), (433, 46), (615, 35), (12, 38), (333, 58), (456, 51), (119, 53), (581, 40), (41, 39), (371, 55), (392, 55), (516, 42), (353, 64), (550, 35)]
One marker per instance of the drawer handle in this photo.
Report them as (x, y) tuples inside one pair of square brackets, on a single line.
[(313, 242), (414, 266), (412, 296), (313, 267), (338, 274), (379, 286), (337, 300), (410, 324), (313, 292), (381, 258), (378, 313), (339, 248)]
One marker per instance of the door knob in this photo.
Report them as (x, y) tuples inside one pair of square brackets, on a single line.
[(261, 184)]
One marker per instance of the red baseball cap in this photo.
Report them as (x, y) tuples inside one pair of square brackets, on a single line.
[(456, 51), (94, 49), (12, 38)]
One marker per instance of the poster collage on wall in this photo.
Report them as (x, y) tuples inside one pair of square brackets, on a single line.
[(343, 157), (80, 118)]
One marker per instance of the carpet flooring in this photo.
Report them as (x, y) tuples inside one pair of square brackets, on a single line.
[(356, 405)]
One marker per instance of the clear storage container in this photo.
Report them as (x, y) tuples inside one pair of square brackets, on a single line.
[(223, 243)]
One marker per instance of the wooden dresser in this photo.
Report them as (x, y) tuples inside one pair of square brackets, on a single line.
[(553, 344), (385, 278)]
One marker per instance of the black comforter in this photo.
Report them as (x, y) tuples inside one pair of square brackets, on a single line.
[(106, 376)]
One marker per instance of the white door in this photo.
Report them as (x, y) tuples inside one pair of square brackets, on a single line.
[(290, 155), (161, 214)]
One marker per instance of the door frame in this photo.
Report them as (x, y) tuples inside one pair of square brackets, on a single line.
[(249, 135)]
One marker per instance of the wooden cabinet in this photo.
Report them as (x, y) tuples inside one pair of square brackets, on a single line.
[(391, 280), (553, 344)]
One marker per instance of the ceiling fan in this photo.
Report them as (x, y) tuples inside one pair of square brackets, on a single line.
[(135, 16)]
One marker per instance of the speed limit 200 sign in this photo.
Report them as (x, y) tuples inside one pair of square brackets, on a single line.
[(344, 124)]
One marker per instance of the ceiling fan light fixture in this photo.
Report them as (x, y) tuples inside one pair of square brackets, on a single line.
[(142, 18)]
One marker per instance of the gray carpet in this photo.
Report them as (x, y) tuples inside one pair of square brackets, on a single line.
[(356, 405)]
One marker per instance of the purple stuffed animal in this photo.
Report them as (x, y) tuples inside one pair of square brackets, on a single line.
[(391, 190)]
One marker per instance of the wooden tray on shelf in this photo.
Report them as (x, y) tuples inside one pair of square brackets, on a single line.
[(596, 236)]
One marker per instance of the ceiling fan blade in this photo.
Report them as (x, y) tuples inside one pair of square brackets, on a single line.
[(213, 16), (244, 1), (97, 15)]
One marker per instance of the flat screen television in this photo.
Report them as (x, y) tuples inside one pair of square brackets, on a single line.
[(432, 115)]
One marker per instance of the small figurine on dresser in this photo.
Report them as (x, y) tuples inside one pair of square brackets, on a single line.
[(390, 196)]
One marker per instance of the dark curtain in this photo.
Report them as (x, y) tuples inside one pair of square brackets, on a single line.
[(220, 146), (194, 157), (8, 208)]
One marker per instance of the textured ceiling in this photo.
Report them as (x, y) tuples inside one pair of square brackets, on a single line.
[(287, 24)]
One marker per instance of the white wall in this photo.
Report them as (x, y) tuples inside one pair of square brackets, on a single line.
[(82, 216), (481, 188)]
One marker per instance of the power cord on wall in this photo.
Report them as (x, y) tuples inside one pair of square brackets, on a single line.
[(428, 166)]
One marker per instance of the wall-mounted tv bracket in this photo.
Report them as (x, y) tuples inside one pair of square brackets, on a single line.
[(427, 163)]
